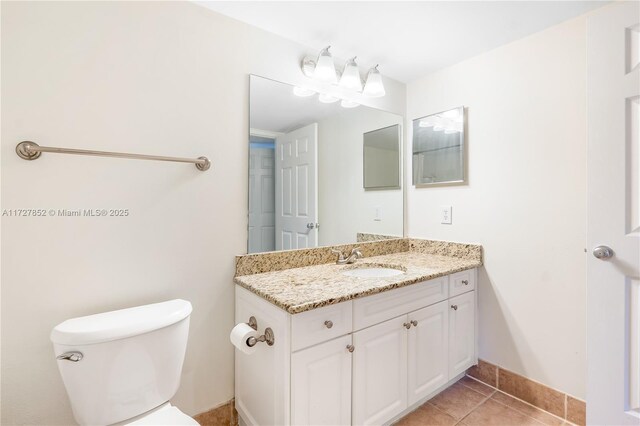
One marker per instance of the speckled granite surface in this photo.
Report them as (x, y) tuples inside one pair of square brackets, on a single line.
[(258, 263), (302, 289), (362, 237), (446, 248)]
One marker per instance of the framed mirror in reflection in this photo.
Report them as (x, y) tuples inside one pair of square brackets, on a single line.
[(307, 171), (439, 149)]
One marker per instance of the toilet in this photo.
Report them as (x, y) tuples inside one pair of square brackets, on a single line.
[(122, 367)]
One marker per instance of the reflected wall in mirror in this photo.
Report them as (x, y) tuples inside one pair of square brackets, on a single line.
[(306, 172), (439, 148), (382, 158)]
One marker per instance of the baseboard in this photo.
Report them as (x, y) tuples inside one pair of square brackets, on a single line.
[(222, 415), (558, 403)]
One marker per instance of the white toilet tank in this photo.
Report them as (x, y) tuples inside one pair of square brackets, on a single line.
[(123, 363)]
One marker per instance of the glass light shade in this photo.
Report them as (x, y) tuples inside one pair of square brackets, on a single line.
[(351, 76), (325, 68), (327, 99), (374, 87), (349, 104), (303, 92)]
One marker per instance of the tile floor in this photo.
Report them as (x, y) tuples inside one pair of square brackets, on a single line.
[(472, 403)]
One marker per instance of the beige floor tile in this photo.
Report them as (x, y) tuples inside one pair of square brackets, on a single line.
[(457, 400), (492, 413), (427, 415), (477, 386), (485, 372), (527, 409)]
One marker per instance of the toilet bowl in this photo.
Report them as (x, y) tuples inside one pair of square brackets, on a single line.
[(122, 367)]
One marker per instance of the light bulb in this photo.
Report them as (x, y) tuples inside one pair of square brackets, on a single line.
[(349, 104), (351, 76), (374, 87), (303, 92), (325, 69), (327, 99)]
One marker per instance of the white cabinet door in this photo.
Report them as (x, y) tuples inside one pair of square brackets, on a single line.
[(428, 350), (321, 384), (380, 372), (462, 336)]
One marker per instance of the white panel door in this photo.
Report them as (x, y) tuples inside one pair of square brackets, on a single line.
[(297, 189), (380, 372), (321, 384), (462, 333), (428, 350), (613, 215), (262, 221)]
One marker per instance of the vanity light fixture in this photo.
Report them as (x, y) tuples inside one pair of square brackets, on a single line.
[(351, 76), (325, 70), (327, 99), (373, 86), (303, 92), (346, 103)]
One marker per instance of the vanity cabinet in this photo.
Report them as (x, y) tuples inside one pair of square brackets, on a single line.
[(363, 361)]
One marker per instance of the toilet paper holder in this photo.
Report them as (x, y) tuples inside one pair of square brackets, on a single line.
[(267, 337)]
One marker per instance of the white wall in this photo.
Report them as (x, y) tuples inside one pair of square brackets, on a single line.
[(525, 202), (151, 77), (345, 208)]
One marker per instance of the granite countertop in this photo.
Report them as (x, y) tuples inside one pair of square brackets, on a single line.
[(306, 288)]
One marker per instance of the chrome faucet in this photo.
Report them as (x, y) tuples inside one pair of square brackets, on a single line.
[(355, 255)]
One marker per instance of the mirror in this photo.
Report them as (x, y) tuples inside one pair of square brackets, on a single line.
[(439, 149), (382, 158), (307, 170)]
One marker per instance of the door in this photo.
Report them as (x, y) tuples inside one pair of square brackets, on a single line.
[(462, 333), (321, 384), (428, 350), (262, 221), (380, 372), (297, 189), (613, 215)]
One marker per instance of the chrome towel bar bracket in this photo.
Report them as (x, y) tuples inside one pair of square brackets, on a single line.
[(28, 150)]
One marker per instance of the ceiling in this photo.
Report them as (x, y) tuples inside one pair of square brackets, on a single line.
[(407, 39)]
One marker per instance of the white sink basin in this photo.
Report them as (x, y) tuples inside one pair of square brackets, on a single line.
[(373, 272)]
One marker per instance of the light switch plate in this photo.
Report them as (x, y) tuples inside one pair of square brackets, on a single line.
[(445, 215)]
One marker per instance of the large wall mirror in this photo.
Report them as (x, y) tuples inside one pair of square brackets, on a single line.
[(307, 170)]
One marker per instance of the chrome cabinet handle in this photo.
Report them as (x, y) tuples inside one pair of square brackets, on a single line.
[(414, 323), (407, 325), (465, 282), (351, 348), (328, 324), (73, 356), (603, 252), (454, 307)]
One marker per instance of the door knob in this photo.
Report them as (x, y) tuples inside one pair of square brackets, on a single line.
[(603, 252)]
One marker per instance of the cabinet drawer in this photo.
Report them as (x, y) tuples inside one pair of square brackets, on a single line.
[(462, 282), (390, 304), (319, 325)]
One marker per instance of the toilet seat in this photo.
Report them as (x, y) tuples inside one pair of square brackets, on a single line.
[(167, 415)]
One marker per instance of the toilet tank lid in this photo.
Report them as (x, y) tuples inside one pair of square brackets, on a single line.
[(120, 324)]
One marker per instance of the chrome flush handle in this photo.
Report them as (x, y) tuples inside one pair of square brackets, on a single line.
[(73, 356)]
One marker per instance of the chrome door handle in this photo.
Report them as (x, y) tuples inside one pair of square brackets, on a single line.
[(603, 252)]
